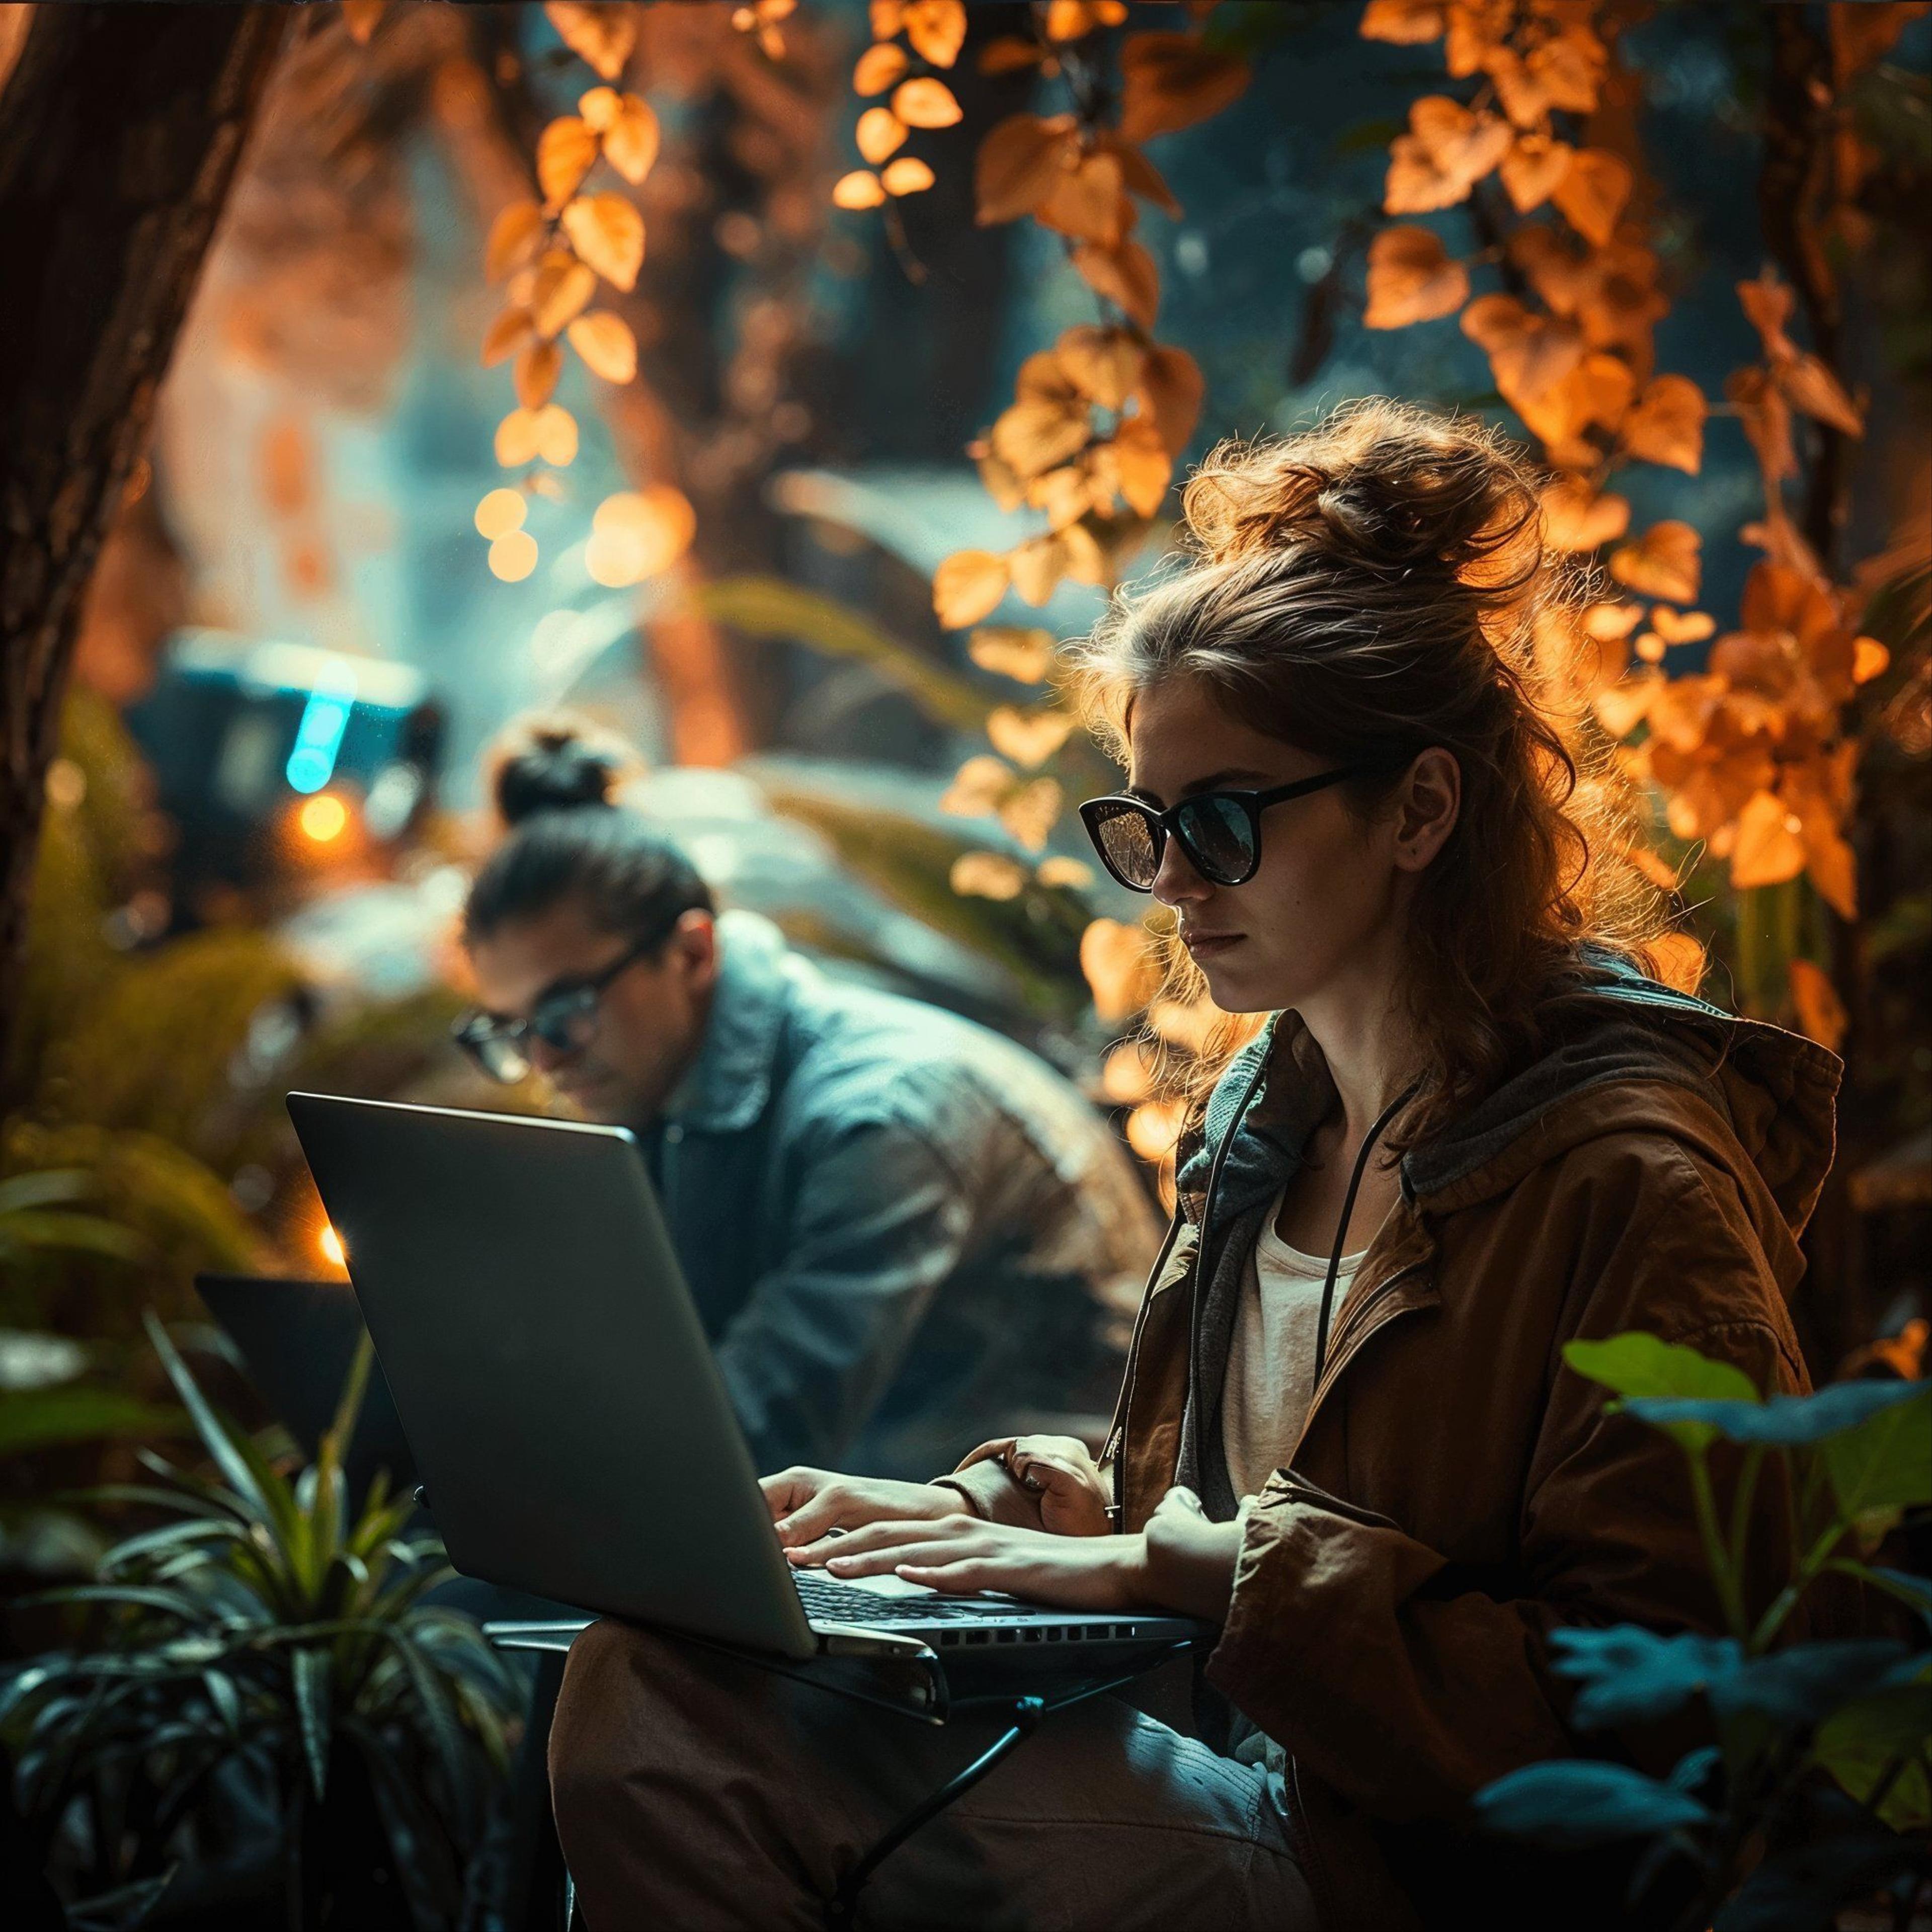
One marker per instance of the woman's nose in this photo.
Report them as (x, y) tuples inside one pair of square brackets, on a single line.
[(1175, 881)]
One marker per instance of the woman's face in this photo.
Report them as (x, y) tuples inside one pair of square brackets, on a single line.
[(1329, 896)]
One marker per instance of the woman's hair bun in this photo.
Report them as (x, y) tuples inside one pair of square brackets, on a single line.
[(1385, 486), (553, 764)]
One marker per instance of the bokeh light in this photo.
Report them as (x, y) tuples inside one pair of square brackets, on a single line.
[(636, 533), (513, 556), (330, 1243), (499, 513), (323, 818)]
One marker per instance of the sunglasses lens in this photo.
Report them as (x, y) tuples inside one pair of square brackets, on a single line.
[(1219, 838), (1125, 841), (502, 1059), (566, 1023)]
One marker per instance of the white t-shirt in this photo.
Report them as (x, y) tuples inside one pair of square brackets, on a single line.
[(1271, 1360)]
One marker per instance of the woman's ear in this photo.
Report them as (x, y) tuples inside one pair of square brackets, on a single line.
[(1427, 801), (693, 943)]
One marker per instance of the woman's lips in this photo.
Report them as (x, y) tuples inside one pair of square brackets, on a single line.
[(1210, 945)]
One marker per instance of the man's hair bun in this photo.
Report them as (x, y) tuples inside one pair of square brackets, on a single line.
[(557, 764)]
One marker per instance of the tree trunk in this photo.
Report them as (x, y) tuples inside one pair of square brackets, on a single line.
[(120, 131)]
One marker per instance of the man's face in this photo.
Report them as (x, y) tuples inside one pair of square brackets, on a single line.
[(649, 1021)]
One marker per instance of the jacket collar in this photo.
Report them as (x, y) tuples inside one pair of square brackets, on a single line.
[(729, 1084), (1769, 1093)]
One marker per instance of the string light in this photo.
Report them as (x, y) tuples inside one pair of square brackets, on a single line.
[(323, 818)]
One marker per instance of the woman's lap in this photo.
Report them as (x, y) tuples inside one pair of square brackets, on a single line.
[(696, 1791)]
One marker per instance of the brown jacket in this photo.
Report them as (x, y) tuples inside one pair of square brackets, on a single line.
[(1458, 1491)]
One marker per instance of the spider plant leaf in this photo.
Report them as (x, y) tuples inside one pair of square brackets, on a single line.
[(224, 1700), (169, 1537), (149, 1496), (309, 1673), (176, 1602), (217, 1437), (445, 1731)]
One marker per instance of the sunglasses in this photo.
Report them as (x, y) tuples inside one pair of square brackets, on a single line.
[(564, 1019), (1220, 832)]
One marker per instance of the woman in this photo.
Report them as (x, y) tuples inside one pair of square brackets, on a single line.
[(1473, 1130)]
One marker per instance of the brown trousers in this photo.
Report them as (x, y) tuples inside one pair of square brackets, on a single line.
[(694, 1792)]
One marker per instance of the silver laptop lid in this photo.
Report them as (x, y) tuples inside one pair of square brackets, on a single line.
[(553, 1380)]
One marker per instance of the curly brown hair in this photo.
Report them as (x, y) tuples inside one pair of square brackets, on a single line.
[(1377, 586)]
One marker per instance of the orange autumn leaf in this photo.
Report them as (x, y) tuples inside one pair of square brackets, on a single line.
[(1103, 364), (605, 343), (1405, 23), (1048, 420), (908, 175), (1532, 170), (1088, 200), (1529, 354), (987, 875), (1576, 517), (967, 586), (536, 374), (1025, 655), (925, 103), (505, 336), (1681, 627), (1446, 151), (512, 235), (602, 36), (1072, 19), (1592, 192), (1029, 811), (1170, 81), (936, 29), (1766, 849), (1122, 971), (977, 787), (1622, 707), (1820, 1011), (360, 17), (1810, 387), (1017, 164), (1666, 424), (1664, 561), (565, 151), (1137, 462), (1171, 386), (879, 68), (1029, 738), (561, 293), (1679, 961), (608, 232), (1127, 1073), (1609, 622), (630, 134), (1154, 1129), (860, 189), (1126, 276), (1869, 659), (1412, 278), (880, 133)]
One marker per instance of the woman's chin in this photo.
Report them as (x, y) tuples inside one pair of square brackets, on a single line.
[(1233, 985)]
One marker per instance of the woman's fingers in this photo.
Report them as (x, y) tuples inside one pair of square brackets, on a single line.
[(879, 1535), (1037, 1470)]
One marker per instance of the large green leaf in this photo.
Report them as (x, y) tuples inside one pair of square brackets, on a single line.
[(215, 1438), (1575, 1802), (1788, 1421), (1631, 1675), (1637, 1365), (1886, 1734), (1885, 1462)]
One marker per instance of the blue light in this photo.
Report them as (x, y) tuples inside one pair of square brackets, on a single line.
[(319, 736)]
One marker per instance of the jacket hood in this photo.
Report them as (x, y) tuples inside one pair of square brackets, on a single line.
[(1627, 1053)]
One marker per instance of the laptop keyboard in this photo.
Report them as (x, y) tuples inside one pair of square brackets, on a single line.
[(826, 1597)]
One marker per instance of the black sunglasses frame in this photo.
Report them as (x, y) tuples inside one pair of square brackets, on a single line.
[(1097, 813), (550, 1019)]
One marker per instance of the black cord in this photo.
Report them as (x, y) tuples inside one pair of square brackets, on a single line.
[(1374, 1134), (841, 1908)]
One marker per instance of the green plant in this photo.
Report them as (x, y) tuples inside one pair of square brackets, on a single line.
[(266, 1637), (1817, 1792)]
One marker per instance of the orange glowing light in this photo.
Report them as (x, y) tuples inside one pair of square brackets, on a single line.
[(324, 818), (330, 1243)]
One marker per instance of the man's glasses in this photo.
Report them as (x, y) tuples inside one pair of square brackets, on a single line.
[(564, 1019), (1219, 831)]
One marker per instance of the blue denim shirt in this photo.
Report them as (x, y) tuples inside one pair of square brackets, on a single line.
[(903, 1233)]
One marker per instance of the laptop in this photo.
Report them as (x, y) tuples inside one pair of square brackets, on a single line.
[(573, 1434), (297, 1340)]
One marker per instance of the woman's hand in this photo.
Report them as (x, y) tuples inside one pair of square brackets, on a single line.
[(1058, 1471), (1190, 1561), (961, 1553), (807, 1505)]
